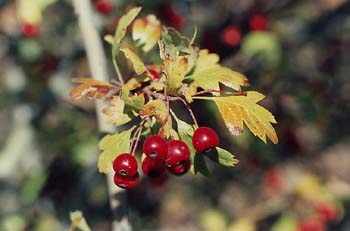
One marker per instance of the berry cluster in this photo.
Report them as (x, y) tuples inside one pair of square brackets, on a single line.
[(160, 156)]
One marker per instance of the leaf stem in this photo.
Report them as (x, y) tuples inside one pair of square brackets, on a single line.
[(119, 75), (136, 137), (221, 92), (189, 110)]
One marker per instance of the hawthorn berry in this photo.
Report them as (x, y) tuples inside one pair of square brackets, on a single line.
[(181, 168), (30, 30), (126, 182), (258, 22), (231, 36), (326, 211), (311, 224), (205, 139), (155, 147), (125, 165), (153, 167), (154, 73), (103, 6), (178, 152)]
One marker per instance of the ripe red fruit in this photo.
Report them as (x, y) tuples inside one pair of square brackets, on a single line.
[(326, 210), (311, 224), (103, 6), (155, 147), (178, 152), (231, 36), (126, 182), (125, 165), (154, 73), (258, 22), (205, 139), (153, 167), (30, 30), (181, 168)]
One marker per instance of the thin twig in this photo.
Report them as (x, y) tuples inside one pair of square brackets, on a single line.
[(221, 92), (98, 67), (189, 110)]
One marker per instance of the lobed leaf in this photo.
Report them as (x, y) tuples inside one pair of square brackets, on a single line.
[(208, 73), (238, 109), (112, 146), (137, 63), (116, 111), (146, 32), (135, 102), (78, 221), (90, 87), (223, 157)]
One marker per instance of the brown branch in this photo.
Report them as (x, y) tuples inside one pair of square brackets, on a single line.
[(98, 68)]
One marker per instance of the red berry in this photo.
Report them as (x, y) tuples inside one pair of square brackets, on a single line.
[(103, 6), (125, 165), (231, 36), (153, 167), (326, 210), (154, 73), (205, 139), (311, 224), (30, 30), (258, 22), (180, 168), (155, 147), (178, 152), (126, 182)]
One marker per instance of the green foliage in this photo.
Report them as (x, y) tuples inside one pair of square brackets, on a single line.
[(78, 221), (223, 157)]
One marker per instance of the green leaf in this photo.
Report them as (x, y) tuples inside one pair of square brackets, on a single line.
[(137, 63), (208, 73), (112, 146), (185, 132), (135, 102), (178, 56), (286, 222), (78, 221), (223, 157), (120, 31), (238, 109)]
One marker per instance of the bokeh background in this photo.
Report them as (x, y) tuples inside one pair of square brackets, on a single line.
[(296, 52)]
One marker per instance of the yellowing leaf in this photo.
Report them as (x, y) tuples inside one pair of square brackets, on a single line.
[(166, 129), (155, 108), (238, 109), (120, 31), (112, 146), (78, 221), (242, 224), (287, 222), (90, 87), (137, 63), (146, 32), (116, 111), (208, 73)]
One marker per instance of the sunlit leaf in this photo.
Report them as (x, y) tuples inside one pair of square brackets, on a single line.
[(78, 221), (146, 32), (137, 63), (90, 87), (238, 109), (243, 224), (123, 24), (178, 56), (112, 146), (208, 73), (135, 102), (116, 111), (223, 157)]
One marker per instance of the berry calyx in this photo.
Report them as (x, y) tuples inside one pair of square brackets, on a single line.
[(180, 168), (126, 182), (178, 152), (103, 6), (30, 30), (205, 139), (155, 147), (125, 165), (153, 167)]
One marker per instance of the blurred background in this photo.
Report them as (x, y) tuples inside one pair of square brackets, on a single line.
[(294, 52)]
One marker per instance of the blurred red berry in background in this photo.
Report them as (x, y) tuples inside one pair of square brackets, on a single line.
[(104, 6), (258, 22), (30, 30), (231, 36)]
